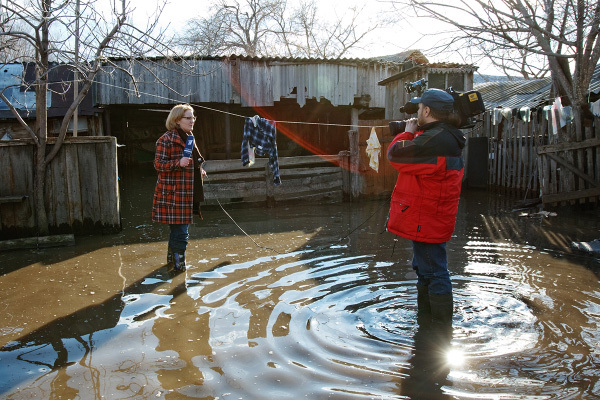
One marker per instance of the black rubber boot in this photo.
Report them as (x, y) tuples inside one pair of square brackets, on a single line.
[(423, 304), (442, 307), (169, 256)]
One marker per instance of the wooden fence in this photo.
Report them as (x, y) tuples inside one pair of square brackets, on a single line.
[(538, 161), (308, 178), (82, 192)]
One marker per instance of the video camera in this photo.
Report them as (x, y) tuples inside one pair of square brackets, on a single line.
[(466, 104)]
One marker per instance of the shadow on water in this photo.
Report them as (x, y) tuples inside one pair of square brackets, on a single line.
[(325, 309)]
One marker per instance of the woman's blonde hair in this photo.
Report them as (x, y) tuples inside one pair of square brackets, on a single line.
[(176, 114)]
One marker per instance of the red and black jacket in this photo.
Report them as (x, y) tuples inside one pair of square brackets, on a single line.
[(430, 172)]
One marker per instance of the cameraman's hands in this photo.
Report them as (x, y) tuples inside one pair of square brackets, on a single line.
[(411, 125)]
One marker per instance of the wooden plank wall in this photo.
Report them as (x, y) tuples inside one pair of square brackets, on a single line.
[(82, 192), (308, 178), (380, 183)]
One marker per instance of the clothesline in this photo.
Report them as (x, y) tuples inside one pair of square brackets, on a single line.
[(244, 116)]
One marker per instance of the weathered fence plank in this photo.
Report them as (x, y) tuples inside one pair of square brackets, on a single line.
[(81, 187)]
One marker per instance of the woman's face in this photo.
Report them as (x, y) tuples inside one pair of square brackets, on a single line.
[(186, 123)]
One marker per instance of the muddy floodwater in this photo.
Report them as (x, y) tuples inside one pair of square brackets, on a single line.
[(315, 302)]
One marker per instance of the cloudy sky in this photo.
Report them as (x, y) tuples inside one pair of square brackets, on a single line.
[(393, 38)]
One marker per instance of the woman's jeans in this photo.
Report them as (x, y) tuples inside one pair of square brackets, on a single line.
[(431, 265), (178, 237)]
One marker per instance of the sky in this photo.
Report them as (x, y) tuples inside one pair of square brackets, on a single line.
[(391, 39)]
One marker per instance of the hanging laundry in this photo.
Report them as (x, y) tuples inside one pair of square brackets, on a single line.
[(596, 108), (373, 150), (496, 116), (525, 114), (507, 113), (566, 115), (259, 138)]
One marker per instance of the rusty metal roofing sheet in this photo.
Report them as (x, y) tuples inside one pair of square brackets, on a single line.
[(524, 93)]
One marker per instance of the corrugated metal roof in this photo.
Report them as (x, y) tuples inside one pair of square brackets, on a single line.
[(515, 94), (595, 83), (524, 93)]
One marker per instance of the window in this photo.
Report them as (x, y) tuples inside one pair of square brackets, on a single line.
[(457, 82), (436, 81)]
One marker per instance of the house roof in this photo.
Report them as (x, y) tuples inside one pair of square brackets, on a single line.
[(524, 93), (515, 94)]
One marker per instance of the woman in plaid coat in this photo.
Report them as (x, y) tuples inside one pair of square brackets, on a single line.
[(174, 195)]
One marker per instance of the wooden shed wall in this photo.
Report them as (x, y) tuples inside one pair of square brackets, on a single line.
[(317, 128)]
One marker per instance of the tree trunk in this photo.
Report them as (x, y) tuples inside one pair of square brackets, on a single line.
[(41, 117), (39, 187)]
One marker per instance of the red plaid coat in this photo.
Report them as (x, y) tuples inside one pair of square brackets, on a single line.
[(174, 192)]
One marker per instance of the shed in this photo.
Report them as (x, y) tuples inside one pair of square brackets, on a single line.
[(437, 75), (314, 101)]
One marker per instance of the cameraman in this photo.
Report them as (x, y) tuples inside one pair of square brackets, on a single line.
[(428, 157)]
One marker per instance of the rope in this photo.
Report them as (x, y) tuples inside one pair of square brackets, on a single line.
[(244, 232), (318, 248), (243, 116)]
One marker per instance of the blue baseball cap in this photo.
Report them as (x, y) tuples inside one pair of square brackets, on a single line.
[(436, 98)]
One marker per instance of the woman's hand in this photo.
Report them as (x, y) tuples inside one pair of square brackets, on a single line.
[(184, 162)]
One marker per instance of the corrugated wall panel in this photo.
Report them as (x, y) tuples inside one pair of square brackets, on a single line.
[(251, 83)]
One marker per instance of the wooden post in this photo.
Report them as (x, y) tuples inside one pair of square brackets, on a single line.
[(227, 134), (356, 179)]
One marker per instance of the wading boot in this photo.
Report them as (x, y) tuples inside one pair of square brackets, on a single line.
[(442, 308), (179, 261), (423, 304), (169, 256)]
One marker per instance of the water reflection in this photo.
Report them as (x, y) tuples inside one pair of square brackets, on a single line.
[(313, 320)]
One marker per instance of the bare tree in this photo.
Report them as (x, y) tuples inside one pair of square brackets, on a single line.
[(270, 28), (13, 49), (563, 32), (49, 27)]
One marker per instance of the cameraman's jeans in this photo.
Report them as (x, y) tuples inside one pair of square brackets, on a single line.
[(431, 265), (178, 237)]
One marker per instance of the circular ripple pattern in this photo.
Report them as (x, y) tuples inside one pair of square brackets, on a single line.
[(311, 323)]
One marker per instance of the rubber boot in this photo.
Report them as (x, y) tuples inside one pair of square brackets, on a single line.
[(179, 260), (169, 256), (442, 307), (423, 304)]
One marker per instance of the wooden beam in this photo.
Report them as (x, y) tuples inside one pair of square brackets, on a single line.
[(574, 170), (566, 196), (554, 148), (13, 199), (38, 242)]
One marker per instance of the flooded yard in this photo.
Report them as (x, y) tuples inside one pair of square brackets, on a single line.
[(317, 302)]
